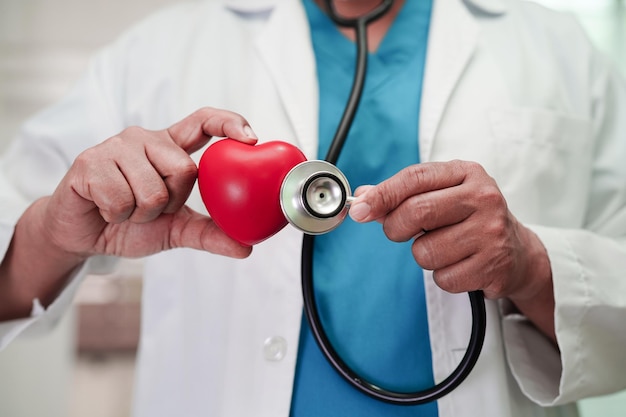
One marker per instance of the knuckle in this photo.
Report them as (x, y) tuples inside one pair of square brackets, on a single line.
[(129, 132), (490, 195), (380, 198), (417, 174), (425, 212), (117, 210), (447, 281), (424, 254), (471, 166), (416, 215), (496, 288), (187, 169), (384, 195), (156, 199), (204, 113), (85, 159), (206, 110), (392, 231), (497, 230), (107, 216)]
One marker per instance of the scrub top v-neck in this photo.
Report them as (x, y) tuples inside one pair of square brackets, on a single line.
[(369, 290)]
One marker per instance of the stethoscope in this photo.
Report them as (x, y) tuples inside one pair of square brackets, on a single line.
[(315, 197)]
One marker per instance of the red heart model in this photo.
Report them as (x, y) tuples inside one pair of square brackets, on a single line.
[(240, 186)]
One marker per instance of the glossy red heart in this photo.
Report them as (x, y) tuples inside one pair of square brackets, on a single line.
[(240, 186)]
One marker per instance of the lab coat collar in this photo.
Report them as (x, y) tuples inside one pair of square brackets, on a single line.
[(250, 6), (451, 43), (494, 7), (287, 52)]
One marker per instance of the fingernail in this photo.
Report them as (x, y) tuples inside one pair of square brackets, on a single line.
[(249, 132), (360, 211)]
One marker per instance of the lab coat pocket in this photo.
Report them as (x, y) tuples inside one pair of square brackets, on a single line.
[(543, 163)]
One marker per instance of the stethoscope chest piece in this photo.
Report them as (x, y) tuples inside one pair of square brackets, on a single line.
[(315, 197)]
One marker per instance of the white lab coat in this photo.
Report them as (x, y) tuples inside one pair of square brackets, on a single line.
[(508, 84)]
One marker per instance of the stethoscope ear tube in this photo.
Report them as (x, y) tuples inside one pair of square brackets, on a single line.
[(479, 323)]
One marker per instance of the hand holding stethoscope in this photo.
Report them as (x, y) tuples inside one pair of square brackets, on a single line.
[(472, 240)]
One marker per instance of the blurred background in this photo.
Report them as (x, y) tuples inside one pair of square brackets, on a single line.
[(85, 366)]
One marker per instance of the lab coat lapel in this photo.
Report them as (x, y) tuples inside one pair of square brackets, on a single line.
[(286, 50), (452, 40)]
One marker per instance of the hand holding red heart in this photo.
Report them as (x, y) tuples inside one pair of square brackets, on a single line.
[(126, 196)]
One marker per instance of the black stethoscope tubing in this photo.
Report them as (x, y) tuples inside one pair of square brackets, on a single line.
[(479, 320)]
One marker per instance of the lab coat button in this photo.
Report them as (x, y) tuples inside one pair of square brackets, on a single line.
[(274, 348)]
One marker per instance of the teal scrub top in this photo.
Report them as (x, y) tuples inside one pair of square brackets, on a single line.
[(369, 290)]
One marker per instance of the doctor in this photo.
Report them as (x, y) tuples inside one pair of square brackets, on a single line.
[(515, 118)]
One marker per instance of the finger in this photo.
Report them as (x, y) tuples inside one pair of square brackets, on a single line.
[(128, 154), (445, 246), (476, 272), (459, 277), (111, 193), (192, 230), (479, 265), (83, 181), (177, 170), (413, 180), (149, 190), (428, 211), (194, 131), (358, 208), (102, 184)]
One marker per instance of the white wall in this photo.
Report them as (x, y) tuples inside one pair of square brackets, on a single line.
[(36, 374), (44, 46), (604, 20)]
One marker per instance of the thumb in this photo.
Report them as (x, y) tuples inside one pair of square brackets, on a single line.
[(190, 229), (195, 130), (377, 201), (361, 207)]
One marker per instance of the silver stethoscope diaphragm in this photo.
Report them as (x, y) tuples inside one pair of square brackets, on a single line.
[(315, 197)]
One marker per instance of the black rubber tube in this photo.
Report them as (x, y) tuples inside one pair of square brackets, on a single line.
[(479, 317), (479, 324)]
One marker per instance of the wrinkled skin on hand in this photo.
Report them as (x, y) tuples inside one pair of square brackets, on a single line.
[(126, 196), (464, 232)]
